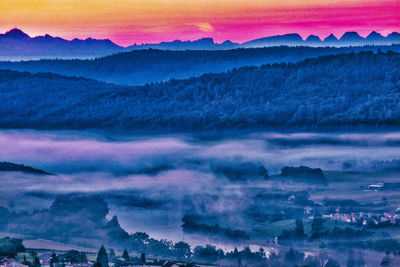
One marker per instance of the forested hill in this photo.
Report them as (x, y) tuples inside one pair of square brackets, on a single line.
[(144, 66), (331, 91)]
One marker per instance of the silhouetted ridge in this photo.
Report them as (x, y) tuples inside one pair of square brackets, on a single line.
[(331, 39), (337, 91), (15, 34), (394, 37), (8, 166), (17, 45), (200, 44), (313, 39), (351, 37), (139, 67), (286, 39), (374, 36)]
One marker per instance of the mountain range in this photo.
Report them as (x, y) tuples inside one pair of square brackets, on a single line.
[(347, 39), (17, 45)]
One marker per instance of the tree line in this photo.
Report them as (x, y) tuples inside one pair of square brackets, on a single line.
[(348, 90)]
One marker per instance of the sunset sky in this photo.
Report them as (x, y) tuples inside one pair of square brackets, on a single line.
[(146, 21)]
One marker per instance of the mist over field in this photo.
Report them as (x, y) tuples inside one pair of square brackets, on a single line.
[(152, 182), (77, 152)]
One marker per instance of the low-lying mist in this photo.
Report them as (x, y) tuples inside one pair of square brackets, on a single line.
[(152, 182)]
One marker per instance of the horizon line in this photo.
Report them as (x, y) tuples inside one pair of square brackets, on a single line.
[(202, 38)]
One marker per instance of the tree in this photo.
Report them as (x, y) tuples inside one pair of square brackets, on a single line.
[(111, 254), (102, 257), (36, 262), (317, 224), (9, 247), (386, 261), (293, 255), (75, 256), (299, 228), (82, 257), (182, 250), (26, 262), (54, 259), (143, 257), (33, 253), (235, 253), (261, 253), (125, 255), (139, 241), (290, 255), (208, 252)]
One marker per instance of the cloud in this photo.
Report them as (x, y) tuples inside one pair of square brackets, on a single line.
[(204, 26)]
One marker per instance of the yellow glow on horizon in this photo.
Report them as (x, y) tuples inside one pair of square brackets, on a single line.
[(97, 11)]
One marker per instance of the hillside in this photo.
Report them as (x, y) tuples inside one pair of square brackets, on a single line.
[(145, 66), (12, 167), (347, 90)]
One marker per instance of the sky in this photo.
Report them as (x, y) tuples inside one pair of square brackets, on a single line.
[(150, 21)]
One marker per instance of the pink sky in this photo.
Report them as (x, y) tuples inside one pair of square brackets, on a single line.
[(139, 21)]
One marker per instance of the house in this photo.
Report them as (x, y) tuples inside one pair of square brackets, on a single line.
[(375, 187), (307, 210), (291, 199), (45, 258)]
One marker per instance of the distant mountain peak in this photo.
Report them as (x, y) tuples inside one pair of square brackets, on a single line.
[(374, 36), (227, 42), (394, 36), (351, 37), (331, 38), (285, 39), (206, 40), (16, 34), (291, 36), (313, 39), (46, 37)]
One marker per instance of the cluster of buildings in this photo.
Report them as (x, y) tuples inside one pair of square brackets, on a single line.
[(367, 219), (45, 259)]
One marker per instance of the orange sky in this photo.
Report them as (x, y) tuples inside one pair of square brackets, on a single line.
[(138, 21)]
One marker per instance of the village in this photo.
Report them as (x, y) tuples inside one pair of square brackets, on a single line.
[(368, 220)]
